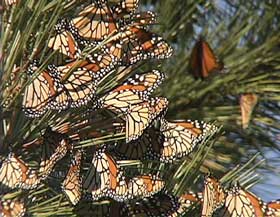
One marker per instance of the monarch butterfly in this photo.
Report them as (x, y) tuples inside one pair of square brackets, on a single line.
[(12, 208), (48, 90), (203, 60), (125, 7), (47, 165), (239, 202), (141, 19), (82, 77), (180, 138), (124, 14), (64, 42), (14, 173), (134, 43), (247, 103), (144, 186), (272, 209), (54, 148), (137, 19), (143, 84), (72, 183), (118, 101), (213, 196), (103, 176), (80, 85), (141, 115), (102, 63), (40, 91), (131, 92), (95, 22)]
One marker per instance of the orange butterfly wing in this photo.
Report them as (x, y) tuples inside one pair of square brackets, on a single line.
[(203, 60), (247, 103)]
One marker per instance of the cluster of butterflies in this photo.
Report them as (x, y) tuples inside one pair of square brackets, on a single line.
[(214, 200), (72, 80), (120, 35), (104, 178), (234, 202)]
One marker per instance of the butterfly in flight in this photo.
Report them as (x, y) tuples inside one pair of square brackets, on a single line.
[(203, 60), (247, 103)]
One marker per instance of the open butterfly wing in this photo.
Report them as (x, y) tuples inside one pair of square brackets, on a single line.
[(239, 202), (180, 138), (80, 84), (15, 173), (144, 186), (64, 42), (141, 115), (95, 22)]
